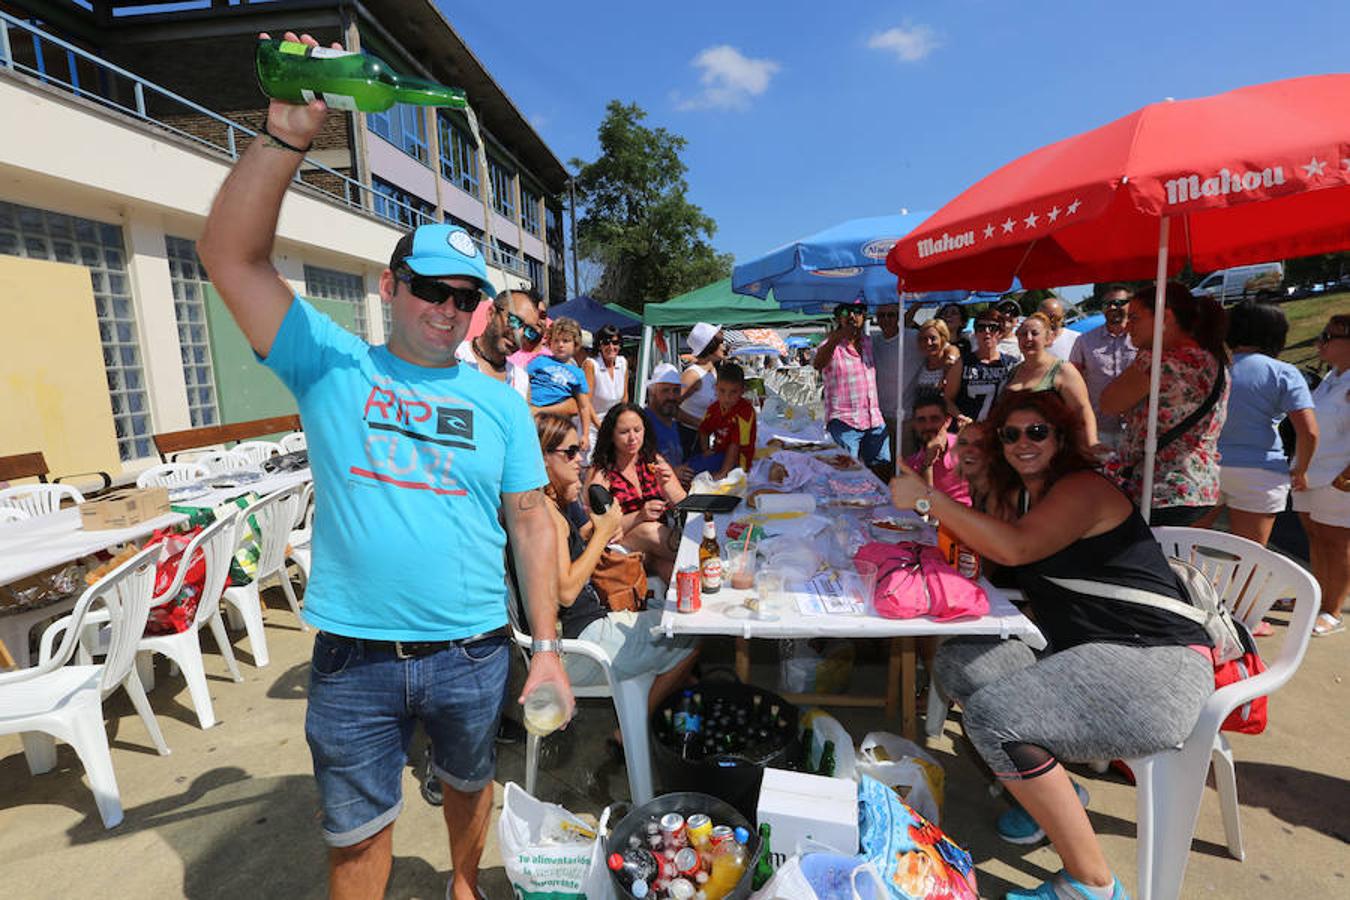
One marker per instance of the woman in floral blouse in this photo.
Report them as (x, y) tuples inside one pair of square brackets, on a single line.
[(1186, 472)]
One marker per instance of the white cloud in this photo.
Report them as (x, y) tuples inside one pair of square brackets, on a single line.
[(908, 44), (729, 78)]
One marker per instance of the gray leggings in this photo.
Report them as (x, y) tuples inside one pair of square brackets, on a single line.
[(1090, 702)]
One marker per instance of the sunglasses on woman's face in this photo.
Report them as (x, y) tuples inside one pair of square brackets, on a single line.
[(571, 452), (611, 342), (529, 332), (988, 327), (1036, 432), (437, 292)]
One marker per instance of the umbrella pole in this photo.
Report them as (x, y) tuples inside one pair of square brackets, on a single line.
[(1155, 369), (644, 365), (899, 388)]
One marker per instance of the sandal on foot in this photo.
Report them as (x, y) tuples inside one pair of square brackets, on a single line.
[(1263, 629), (1327, 624)]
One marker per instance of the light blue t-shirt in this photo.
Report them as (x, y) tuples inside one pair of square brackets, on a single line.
[(1264, 391), (553, 382), (409, 465)]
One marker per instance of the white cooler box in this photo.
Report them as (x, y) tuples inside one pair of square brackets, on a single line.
[(802, 809)]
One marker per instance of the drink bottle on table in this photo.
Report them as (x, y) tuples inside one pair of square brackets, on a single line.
[(764, 865), (710, 557), (343, 79)]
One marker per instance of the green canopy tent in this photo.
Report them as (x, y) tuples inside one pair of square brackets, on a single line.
[(715, 303)]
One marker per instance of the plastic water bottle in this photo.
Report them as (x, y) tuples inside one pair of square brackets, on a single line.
[(543, 710)]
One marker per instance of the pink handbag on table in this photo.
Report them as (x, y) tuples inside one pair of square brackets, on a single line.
[(915, 580)]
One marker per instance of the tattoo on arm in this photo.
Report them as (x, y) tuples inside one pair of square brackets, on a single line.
[(530, 500)]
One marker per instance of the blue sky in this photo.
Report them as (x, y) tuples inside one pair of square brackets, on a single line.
[(800, 115)]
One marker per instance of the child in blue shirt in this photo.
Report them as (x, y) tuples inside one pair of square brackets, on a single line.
[(557, 384)]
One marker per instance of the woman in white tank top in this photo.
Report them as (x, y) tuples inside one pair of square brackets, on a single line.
[(607, 374)]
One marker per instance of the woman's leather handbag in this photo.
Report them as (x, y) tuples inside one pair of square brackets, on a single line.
[(621, 581)]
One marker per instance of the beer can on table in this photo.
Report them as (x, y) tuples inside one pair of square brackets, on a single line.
[(673, 832), (688, 598)]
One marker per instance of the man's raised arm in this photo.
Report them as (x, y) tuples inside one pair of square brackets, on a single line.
[(236, 244)]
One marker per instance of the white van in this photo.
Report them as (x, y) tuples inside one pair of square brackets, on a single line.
[(1262, 280)]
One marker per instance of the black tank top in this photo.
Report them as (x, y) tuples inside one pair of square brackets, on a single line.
[(1127, 555), (587, 607)]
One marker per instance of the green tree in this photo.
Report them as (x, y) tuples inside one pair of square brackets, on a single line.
[(636, 221)]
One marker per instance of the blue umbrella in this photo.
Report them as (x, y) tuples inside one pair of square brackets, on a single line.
[(837, 265), (593, 315)]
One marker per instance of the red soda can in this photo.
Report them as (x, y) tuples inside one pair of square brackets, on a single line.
[(688, 863), (720, 835), (688, 596), (673, 832)]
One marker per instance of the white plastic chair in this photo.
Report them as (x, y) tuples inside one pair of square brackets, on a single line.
[(12, 514), (1249, 578), (256, 451), (218, 462), (39, 499), (53, 700), (630, 703), (274, 515), (172, 475), (293, 442), (217, 543), (300, 543)]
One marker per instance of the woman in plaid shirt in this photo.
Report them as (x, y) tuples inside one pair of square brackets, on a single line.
[(852, 413)]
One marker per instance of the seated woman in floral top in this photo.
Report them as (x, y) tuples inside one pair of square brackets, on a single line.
[(1186, 471)]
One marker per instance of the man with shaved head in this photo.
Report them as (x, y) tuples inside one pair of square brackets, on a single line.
[(1062, 339)]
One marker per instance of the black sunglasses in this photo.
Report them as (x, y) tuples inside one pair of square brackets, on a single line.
[(529, 332), (617, 342), (1326, 337), (1035, 432), (1115, 304), (437, 292), (571, 452), (991, 327)]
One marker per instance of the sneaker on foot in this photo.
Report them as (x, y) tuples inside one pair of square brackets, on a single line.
[(1065, 887), (1016, 826)]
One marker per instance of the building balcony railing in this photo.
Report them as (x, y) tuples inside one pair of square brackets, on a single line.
[(62, 65)]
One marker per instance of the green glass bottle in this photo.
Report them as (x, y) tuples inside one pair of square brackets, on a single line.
[(764, 865), (827, 762), (298, 73)]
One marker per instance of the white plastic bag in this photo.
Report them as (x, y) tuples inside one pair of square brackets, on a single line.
[(825, 727), (832, 876), (733, 483), (548, 852), (906, 768), (816, 665)]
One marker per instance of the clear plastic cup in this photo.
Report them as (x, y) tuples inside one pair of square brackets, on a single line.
[(544, 713), (867, 580), (770, 586), (741, 563)]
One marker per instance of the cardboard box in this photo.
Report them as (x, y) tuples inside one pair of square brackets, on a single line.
[(124, 508), (803, 808)]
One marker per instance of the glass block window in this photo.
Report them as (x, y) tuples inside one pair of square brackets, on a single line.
[(459, 155), (503, 188), (399, 206), (39, 234), (330, 284), (529, 210), (189, 306)]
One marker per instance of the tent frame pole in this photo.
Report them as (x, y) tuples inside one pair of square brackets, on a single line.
[(644, 365), (1155, 369)]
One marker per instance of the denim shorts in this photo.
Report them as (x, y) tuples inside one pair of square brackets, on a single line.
[(363, 703), (872, 446)]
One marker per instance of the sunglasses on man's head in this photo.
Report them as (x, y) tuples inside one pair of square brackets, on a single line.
[(529, 332), (988, 327), (571, 452), (1035, 432), (434, 291)]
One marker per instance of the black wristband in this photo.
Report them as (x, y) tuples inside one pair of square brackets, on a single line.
[(283, 145)]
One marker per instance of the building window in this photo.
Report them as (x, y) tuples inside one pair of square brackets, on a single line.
[(459, 155), (503, 188), (553, 228), (404, 126), (399, 206), (330, 284), (529, 210), (535, 270), (194, 344), (39, 234), (504, 256)]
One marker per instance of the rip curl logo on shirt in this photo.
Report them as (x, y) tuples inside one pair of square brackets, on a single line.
[(454, 422), (460, 241)]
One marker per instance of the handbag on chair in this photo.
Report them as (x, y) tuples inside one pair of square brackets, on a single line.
[(621, 580)]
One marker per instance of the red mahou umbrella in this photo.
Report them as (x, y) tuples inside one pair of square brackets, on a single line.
[(1259, 173)]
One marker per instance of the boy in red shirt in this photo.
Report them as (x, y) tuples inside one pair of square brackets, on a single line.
[(726, 435)]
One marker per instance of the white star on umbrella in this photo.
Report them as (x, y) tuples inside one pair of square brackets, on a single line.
[(1053, 214), (1031, 219), (1315, 167), (1073, 207), (989, 229), (1008, 225)]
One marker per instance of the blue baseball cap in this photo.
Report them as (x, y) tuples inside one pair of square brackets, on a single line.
[(439, 251)]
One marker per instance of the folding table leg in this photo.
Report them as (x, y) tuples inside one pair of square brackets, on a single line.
[(893, 651), (743, 659), (909, 720)]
